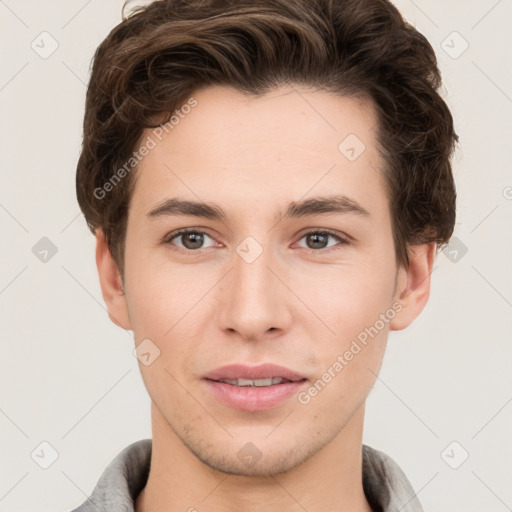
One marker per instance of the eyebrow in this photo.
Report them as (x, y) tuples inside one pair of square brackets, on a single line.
[(304, 208)]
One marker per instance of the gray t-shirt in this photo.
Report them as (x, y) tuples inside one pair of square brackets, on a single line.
[(385, 485)]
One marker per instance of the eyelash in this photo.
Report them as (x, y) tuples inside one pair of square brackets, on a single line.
[(342, 239)]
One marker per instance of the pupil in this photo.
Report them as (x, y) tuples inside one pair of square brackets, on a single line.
[(315, 238), (195, 238)]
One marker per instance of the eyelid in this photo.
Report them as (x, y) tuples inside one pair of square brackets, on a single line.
[(343, 238), (176, 233)]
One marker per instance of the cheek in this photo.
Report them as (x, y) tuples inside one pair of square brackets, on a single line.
[(167, 306), (347, 369), (348, 298), (339, 393), (354, 302), (159, 296)]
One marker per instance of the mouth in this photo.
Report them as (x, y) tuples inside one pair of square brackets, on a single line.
[(261, 375), (255, 383), (253, 389)]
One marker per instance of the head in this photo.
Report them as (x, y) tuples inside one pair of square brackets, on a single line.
[(312, 138)]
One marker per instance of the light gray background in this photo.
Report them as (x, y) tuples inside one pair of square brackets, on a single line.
[(68, 375)]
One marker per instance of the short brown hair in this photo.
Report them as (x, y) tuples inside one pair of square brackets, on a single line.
[(160, 54)]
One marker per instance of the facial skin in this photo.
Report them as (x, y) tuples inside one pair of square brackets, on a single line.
[(300, 304)]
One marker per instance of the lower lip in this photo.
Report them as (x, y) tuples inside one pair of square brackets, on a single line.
[(254, 399)]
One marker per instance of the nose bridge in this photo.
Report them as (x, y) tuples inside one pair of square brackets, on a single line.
[(254, 281), (252, 302)]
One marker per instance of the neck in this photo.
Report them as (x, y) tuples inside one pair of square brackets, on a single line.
[(330, 480)]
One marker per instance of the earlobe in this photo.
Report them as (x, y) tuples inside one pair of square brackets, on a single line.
[(414, 285), (111, 283)]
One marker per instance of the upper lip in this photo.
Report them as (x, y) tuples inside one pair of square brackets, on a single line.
[(262, 371)]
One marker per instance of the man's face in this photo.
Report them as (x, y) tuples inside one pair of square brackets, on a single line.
[(258, 287)]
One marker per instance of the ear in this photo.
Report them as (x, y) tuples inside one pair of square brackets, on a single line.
[(413, 285), (111, 283)]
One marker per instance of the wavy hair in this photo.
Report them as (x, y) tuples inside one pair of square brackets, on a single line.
[(160, 54)]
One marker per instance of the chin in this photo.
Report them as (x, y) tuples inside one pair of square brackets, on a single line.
[(249, 460)]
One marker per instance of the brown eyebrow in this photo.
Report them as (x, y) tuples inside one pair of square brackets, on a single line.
[(188, 208), (304, 208), (326, 204)]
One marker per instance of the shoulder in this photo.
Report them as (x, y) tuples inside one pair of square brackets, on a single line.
[(122, 480), (385, 484)]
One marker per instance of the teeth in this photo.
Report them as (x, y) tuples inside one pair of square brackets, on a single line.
[(253, 382)]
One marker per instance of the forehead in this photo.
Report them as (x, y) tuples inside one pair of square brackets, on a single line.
[(305, 120), (283, 143)]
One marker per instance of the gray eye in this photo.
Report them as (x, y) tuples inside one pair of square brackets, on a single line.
[(319, 240)]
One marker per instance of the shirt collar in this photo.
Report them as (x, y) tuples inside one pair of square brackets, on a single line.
[(385, 485)]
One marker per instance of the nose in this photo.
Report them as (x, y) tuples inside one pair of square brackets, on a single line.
[(253, 298)]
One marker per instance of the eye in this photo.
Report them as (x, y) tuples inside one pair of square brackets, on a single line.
[(318, 240), (192, 239)]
